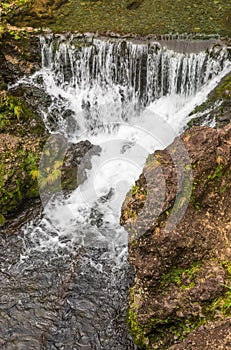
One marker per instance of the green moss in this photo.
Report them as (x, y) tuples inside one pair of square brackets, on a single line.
[(176, 328), (184, 196), (22, 138), (160, 332), (137, 330), (227, 266), (181, 277), (217, 174), (157, 331), (138, 191), (221, 92), (222, 304), (50, 176), (2, 220)]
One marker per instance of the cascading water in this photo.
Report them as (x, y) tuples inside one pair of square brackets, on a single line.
[(67, 286), (95, 72)]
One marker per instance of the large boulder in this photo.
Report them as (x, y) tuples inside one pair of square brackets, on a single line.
[(180, 244)]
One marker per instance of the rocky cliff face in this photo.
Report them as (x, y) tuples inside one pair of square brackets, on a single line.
[(182, 256), (22, 133), (24, 138)]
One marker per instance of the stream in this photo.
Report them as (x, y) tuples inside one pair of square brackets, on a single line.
[(65, 276)]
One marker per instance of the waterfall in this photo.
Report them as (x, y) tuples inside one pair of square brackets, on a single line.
[(129, 99), (90, 72), (144, 72)]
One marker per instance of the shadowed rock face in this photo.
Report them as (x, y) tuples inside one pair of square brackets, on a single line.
[(183, 266), (18, 56)]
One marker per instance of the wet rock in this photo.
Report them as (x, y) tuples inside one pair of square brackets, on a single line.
[(181, 252), (63, 166), (216, 111), (77, 160), (29, 210), (33, 97)]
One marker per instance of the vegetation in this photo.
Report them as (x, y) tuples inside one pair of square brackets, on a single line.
[(222, 304), (181, 277), (124, 16), (16, 181)]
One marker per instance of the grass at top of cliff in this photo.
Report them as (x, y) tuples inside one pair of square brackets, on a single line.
[(132, 16), (9, 6)]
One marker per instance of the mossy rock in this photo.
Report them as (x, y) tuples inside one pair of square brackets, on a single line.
[(183, 274), (19, 158), (17, 119), (22, 136)]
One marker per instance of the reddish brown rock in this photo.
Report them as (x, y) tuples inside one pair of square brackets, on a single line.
[(180, 242)]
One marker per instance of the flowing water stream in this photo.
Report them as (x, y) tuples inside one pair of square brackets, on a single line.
[(65, 276)]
